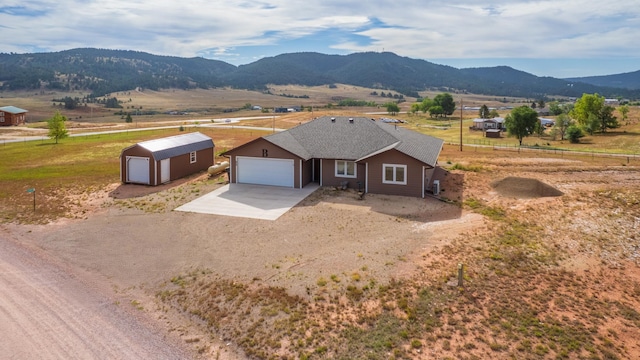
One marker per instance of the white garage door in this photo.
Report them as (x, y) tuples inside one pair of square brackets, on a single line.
[(138, 169), (265, 171)]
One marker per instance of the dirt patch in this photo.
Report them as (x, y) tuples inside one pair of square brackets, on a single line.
[(547, 274), (128, 191), (524, 188)]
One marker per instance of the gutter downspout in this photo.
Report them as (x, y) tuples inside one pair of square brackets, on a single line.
[(424, 190), (366, 177)]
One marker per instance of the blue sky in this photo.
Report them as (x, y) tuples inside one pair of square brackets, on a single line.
[(568, 38)]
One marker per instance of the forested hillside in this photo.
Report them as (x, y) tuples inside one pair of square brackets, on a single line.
[(104, 71), (629, 80)]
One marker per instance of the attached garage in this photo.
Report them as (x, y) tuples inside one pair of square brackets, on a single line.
[(159, 161), (265, 171)]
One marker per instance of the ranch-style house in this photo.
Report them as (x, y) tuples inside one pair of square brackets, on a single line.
[(359, 153)]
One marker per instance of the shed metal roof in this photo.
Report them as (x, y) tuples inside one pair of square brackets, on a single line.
[(171, 146), (13, 110)]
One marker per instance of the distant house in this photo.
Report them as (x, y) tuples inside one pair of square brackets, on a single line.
[(11, 115), (359, 153), (543, 111), (493, 133), (547, 122), (611, 101), (287, 109), (484, 124), (159, 161)]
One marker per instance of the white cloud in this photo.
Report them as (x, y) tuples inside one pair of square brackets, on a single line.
[(428, 30)]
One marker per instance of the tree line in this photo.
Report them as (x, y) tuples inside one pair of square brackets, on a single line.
[(442, 105), (589, 114)]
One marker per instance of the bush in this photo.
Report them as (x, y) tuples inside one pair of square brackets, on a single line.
[(574, 134)]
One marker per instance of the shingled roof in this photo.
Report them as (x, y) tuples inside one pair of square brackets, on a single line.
[(355, 139)]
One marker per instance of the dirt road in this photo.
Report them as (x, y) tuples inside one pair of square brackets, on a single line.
[(48, 313)]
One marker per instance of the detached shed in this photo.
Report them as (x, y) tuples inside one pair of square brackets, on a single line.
[(11, 115), (159, 161)]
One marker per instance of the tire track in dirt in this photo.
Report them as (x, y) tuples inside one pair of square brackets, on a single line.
[(48, 313)]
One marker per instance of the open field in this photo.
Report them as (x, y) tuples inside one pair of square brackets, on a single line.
[(545, 277), (204, 105), (208, 103)]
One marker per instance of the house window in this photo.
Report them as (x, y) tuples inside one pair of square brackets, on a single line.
[(394, 174), (192, 157), (345, 168)]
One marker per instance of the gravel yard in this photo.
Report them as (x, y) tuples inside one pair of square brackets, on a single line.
[(127, 244)]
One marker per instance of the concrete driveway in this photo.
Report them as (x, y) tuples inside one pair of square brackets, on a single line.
[(249, 201)]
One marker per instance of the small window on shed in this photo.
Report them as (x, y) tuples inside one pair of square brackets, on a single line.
[(192, 157)]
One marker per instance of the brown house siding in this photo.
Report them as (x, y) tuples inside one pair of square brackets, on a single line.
[(262, 148), (9, 119), (179, 166), (414, 174), (329, 177)]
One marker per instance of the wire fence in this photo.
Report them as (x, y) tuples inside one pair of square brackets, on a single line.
[(549, 151)]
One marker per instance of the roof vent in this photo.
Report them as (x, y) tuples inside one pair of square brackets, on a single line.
[(351, 120), (333, 119)]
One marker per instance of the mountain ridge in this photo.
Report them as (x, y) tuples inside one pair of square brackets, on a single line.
[(103, 71), (628, 80)]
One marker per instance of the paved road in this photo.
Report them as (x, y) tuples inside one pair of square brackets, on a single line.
[(48, 313), (211, 123)]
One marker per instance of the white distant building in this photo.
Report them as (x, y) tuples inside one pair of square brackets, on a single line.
[(547, 122), (484, 124), (611, 101)]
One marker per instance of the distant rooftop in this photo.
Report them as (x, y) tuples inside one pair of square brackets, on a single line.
[(13, 110)]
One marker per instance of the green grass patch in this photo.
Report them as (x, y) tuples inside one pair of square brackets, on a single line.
[(471, 168), (75, 166)]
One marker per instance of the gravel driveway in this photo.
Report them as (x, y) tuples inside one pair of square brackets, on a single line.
[(47, 313)]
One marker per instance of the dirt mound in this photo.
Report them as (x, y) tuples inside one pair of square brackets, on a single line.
[(524, 188)]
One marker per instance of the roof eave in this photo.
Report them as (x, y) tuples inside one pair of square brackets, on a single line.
[(380, 151)]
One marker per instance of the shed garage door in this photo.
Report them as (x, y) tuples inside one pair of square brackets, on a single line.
[(138, 170), (265, 171)]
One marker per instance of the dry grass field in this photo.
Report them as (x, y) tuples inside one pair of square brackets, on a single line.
[(548, 242), (200, 103)]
